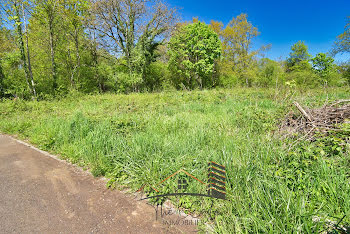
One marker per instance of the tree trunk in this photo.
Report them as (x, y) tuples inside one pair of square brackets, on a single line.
[(21, 45), (71, 70), (245, 68), (76, 40), (2, 76), (76, 68), (94, 56), (200, 81), (28, 54), (52, 51)]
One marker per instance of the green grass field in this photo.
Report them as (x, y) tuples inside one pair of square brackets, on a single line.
[(142, 138)]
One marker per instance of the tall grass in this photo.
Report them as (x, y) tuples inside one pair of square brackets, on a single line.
[(142, 138)]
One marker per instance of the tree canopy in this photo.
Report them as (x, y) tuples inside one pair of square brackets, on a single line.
[(298, 57), (236, 40), (133, 29), (342, 43), (49, 48), (193, 51)]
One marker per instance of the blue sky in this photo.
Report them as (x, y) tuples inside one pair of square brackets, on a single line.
[(281, 23)]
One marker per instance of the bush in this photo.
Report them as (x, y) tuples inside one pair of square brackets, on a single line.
[(14, 78), (193, 51), (269, 73), (303, 78), (157, 77)]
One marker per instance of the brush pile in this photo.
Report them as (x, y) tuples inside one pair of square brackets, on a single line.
[(324, 120)]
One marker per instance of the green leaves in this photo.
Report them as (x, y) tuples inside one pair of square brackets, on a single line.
[(342, 44), (238, 55), (323, 65), (299, 57), (193, 51)]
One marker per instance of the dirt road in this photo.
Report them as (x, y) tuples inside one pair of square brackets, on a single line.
[(40, 194)]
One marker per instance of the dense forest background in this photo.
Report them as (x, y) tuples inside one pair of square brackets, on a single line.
[(49, 48)]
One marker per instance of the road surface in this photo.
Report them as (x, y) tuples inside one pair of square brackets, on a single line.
[(41, 194)]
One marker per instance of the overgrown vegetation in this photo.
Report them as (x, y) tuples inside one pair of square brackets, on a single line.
[(142, 138), (50, 47), (79, 58)]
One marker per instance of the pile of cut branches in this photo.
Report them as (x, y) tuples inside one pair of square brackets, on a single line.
[(323, 120)]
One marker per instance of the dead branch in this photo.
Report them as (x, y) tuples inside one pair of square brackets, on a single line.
[(307, 121), (303, 111), (340, 101)]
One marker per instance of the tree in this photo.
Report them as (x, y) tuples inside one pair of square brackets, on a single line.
[(15, 11), (299, 57), (74, 12), (217, 28), (2, 77), (342, 44), (46, 13), (269, 72), (93, 45), (133, 29), (5, 46), (323, 65), (57, 45), (344, 69), (193, 51), (63, 48), (9, 50), (236, 40), (30, 72)]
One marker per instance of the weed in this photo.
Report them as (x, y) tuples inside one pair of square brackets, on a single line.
[(143, 138)]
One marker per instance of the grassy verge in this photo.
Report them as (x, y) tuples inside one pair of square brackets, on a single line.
[(142, 138)]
